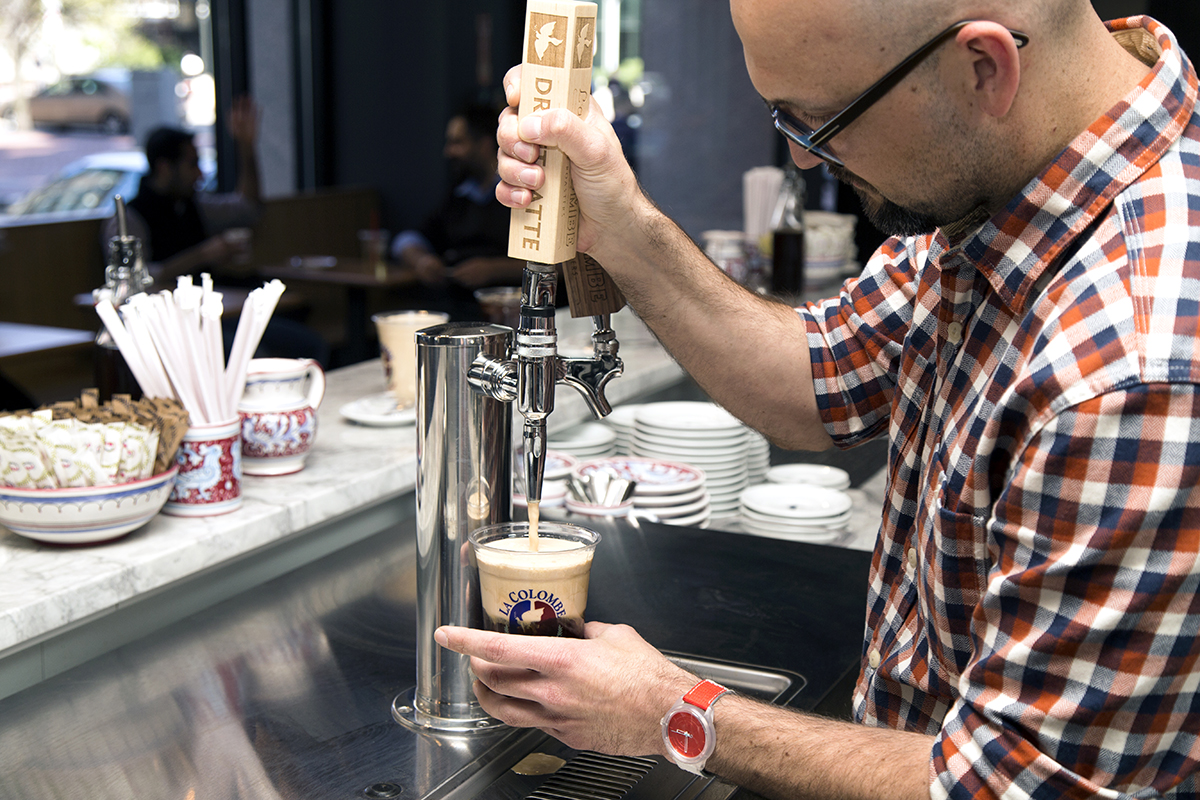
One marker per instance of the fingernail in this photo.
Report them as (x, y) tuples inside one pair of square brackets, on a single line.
[(528, 177), (440, 637), (531, 128)]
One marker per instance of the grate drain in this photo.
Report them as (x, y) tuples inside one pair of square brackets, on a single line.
[(592, 776)]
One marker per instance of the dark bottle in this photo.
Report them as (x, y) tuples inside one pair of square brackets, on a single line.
[(787, 239), (124, 276)]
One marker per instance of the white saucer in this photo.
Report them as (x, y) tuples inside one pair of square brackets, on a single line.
[(623, 416), (589, 436), (814, 474), (720, 440), (796, 500), (683, 510), (378, 411), (652, 501), (788, 523), (685, 417)]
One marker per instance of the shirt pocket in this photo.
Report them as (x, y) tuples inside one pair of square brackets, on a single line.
[(954, 578)]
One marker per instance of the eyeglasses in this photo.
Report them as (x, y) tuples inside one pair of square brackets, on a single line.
[(813, 140)]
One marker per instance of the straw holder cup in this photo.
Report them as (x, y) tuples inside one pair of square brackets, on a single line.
[(210, 471)]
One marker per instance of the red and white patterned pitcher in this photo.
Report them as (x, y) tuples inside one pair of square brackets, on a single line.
[(279, 414)]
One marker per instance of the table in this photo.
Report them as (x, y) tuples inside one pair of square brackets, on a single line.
[(18, 339), (357, 276)]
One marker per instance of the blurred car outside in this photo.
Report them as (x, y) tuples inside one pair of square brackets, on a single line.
[(79, 102), (87, 188)]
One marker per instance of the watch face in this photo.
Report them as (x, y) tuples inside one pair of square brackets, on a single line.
[(686, 734)]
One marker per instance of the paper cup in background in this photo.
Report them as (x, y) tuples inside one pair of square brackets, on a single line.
[(398, 349), (210, 471)]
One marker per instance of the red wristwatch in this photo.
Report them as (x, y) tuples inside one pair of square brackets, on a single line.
[(688, 728)]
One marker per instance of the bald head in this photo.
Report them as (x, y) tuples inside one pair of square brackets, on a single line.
[(966, 129)]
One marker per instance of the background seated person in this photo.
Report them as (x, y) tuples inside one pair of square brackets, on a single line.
[(186, 232), (463, 245)]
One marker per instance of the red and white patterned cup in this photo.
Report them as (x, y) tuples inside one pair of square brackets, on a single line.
[(210, 471)]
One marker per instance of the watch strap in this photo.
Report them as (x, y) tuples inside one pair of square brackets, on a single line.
[(704, 694)]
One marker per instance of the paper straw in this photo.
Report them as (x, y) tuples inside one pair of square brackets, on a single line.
[(171, 358), (172, 342), (129, 350), (210, 329), (149, 355)]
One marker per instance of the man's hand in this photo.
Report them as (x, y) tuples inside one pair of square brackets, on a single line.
[(606, 692), (607, 190), (243, 121)]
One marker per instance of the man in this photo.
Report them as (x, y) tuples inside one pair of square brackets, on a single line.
[(1029, 344), (187, 232), (184, 231), (463, 245)]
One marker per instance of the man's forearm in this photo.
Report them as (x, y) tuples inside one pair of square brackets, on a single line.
[(761, 373), (780, 753)]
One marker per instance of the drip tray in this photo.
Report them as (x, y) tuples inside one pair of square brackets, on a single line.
[(592, 776)]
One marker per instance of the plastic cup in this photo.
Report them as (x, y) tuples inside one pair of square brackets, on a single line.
[(541, 593), (398, 349)]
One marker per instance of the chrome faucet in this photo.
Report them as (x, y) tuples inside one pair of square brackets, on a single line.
[(536, 368), (468, 377)]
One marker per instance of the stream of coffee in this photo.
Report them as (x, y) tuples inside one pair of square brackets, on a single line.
[(534, 511)]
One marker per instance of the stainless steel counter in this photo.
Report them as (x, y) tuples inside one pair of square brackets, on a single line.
[(284, 691)]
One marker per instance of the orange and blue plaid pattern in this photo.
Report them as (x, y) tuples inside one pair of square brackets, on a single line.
[(1035, 589)]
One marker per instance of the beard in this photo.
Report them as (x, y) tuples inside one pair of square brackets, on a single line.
[(890, 218)]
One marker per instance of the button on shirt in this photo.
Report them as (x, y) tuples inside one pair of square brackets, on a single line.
[(1035, 590)]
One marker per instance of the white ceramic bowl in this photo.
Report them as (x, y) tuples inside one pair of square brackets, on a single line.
[(85, 514)]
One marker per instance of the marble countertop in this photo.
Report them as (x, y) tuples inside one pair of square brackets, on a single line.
[(47, 588)]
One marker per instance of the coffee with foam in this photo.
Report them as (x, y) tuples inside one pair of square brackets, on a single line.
[(542, 593)]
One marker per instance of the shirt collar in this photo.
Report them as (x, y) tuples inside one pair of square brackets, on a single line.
[(1014, 247)]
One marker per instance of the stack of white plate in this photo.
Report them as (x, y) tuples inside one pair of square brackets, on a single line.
[(592, 440), (795, 511), (667, 491), (812, 474), (759, 459), (703, 435), (621, 421)]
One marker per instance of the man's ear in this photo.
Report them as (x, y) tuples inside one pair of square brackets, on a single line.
[(993, 57)]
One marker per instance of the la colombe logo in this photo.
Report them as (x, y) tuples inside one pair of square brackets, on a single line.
[(545, 48), (583, 45), (545, 38)]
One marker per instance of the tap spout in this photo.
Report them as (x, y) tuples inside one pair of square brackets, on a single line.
[(590, 376)]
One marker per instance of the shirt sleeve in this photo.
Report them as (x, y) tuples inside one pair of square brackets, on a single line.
[(1086, 644), (855, 342)]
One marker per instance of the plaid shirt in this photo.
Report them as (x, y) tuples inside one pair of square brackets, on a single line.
[(1034, 590)]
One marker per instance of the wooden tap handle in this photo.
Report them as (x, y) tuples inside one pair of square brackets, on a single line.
[(560, 37)]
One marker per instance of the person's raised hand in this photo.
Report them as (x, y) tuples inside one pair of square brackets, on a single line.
[(606, 692), (243, 120), (605, 185)]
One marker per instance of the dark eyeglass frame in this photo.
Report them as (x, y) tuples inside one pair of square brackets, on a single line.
[(813, 140)]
